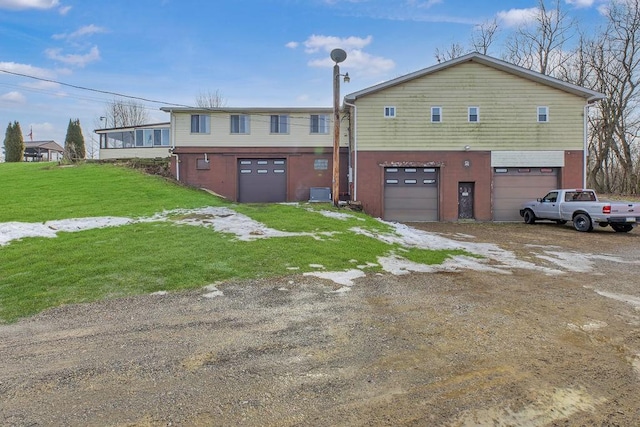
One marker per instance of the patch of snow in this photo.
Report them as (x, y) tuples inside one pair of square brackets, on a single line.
[(320, 266), (344, 278), (588, 327), (577, 262), (160, 293), (337, 215), (628, 299), (342, 290)]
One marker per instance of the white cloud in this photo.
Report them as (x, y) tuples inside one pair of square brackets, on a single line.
[(363, 62), (64, 10), (28, 4), (14, 97), (423, 4), (316, 43), (580, 3), (29, 70), (82, 31), (292, 45), (74, 59), (517, 17)]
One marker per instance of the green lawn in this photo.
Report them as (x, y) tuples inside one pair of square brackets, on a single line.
[(39, 273)]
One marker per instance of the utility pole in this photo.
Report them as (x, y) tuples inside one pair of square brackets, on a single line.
[(337, 55)]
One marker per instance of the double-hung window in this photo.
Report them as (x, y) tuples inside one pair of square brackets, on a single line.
[(436, 114), (200, 123), (319, 123), (474, 114), (543, 114), (240, 123), (389, 112), (279, 123)]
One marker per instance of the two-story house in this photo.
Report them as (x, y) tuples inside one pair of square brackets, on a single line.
[(469, 138), (256, 154)]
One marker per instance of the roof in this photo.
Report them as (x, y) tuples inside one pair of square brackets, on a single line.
[(45, 145), (588, 94), (129, 128), (247, 110)]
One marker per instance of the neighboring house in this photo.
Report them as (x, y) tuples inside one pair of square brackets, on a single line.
[(42, 151), (143, 141), (257, 154), (470, 138)]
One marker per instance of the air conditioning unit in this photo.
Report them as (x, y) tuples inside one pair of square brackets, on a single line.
[(320, 194)]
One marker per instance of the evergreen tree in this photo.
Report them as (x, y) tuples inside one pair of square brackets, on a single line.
[(74, 148), (14, 143)]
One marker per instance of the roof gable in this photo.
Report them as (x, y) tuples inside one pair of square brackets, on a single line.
[(497, 64)]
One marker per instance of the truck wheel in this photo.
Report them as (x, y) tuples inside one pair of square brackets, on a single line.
[(622, 228), (529, 217), (582, 222)]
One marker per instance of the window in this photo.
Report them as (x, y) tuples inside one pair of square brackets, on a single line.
[(436, 114), (319, 123), (279, 124), (239, 123), (200, 123), (543, 114), (389, 111), (474, 114), (321, 164), (152, 138)]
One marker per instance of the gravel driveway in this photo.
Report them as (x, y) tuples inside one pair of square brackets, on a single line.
[(460, 348)]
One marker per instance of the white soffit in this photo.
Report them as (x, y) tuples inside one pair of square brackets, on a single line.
[(527, 159)]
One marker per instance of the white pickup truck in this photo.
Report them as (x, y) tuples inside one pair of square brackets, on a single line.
[(582, 207)]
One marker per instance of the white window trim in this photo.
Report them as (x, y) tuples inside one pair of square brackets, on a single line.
[(477, 114), (390, 109), (242, 117), (431, 116), (322, 130), (546, 110), (207, 130), (279, 132)]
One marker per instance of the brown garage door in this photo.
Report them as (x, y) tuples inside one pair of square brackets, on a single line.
[(514, 186), (262, 180), (411, 194)]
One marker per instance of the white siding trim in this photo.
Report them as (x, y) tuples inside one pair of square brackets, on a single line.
[(527, 158)]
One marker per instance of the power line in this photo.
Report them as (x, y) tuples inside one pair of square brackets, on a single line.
[(94, 90)]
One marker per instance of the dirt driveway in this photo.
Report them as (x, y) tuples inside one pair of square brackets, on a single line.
[(462, 348)]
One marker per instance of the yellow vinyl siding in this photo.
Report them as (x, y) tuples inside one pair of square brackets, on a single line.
[(260, 135), (507, 110)]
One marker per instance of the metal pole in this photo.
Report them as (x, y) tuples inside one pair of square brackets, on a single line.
[(336, 135)]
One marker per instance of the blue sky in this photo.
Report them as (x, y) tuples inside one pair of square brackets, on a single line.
[(255, 52)]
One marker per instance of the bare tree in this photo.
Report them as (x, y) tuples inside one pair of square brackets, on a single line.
[(615, 60), (210, 99), (484, 35), (122, 113), (539, 45)]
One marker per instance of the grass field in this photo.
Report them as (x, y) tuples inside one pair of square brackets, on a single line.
[(39, 273)]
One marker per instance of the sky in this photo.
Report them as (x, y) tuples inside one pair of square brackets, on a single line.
[(66, 59)]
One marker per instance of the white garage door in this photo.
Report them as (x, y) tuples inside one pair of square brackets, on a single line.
[(411, 194), (514, 186)]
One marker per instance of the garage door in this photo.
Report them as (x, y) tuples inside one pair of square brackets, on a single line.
[(262, 180), (513, 186), (411, 194)]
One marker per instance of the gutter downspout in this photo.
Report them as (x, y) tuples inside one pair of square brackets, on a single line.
[(355, 150), (584, 145), (173, 146)]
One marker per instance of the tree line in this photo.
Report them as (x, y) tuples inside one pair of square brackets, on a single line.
[(605, 59)]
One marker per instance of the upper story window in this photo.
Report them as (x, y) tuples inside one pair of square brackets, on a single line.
[(279, 124), (543, 114), (474, 114), (389, 111), (240, 123), (319, 123), (200, 123), (436, 114)]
